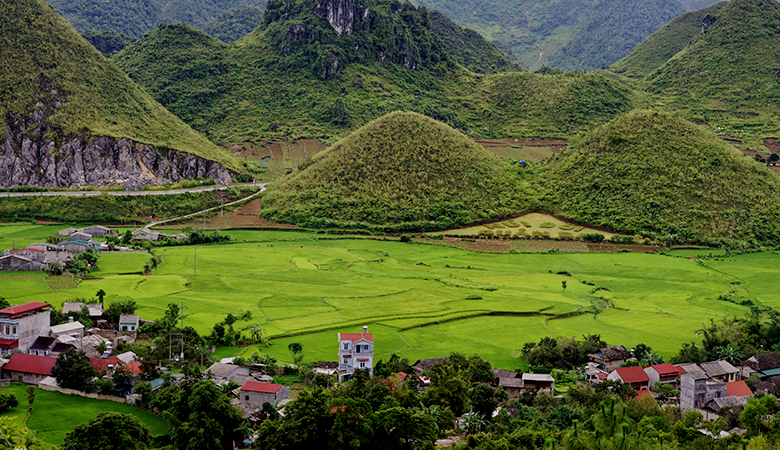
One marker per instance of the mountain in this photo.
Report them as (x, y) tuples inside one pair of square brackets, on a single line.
[(657, 174), (71, 117), (309, 71), (107, 42), (578, 34), (402, 170), (728, 73), (662, 45), (135, 18), (694, 5), (234, 23)]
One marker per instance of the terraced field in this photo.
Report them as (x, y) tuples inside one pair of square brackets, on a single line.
[(305, 287)]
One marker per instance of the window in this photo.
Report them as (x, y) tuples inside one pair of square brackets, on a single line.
[(346, 346), (13, 329), (357, 349), (346, 360), (362, 364), (7, 329), (246, 397)]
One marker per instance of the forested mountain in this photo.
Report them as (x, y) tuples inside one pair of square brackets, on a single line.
[(71, 117), (135, 18), (234, 23), (566, 34), (308, 71)]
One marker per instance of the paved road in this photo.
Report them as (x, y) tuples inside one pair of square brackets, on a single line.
[(119, 193)]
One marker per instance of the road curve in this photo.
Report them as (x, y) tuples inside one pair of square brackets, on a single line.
[(262, 187), (121, 193)]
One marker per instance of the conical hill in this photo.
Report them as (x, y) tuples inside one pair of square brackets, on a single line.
[(403, 168), (55, 87), (657, 174)]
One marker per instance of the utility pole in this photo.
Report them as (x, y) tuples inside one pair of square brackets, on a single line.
[(195, 264), (182, 330)]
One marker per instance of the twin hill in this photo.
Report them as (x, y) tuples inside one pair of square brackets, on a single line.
[(71, 117), (401, 171)]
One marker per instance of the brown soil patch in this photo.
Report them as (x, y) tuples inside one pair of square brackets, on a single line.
[(531, 149), (752, 153), (278, 156), (773, 144), (248, 216)]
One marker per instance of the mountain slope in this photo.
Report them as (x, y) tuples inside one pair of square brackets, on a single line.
[(132, 18), (657, 174), (670, 39), (297, 77), (400, 168), (58, 96), (234, 23), (578, 34)]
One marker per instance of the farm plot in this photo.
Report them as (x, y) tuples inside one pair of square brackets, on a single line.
[(531, 225), (425, 300)]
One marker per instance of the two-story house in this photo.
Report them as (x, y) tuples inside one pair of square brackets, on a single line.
[(356, 351), (21, 325)]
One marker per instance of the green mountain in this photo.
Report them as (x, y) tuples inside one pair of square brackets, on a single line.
[(469, 48), (107, 42), (72, 117), (234, 23), (200, 12), (728, 73), (296, 76), (580, 34), (662, 45), (403, 170), (657, 174), (693, 5)]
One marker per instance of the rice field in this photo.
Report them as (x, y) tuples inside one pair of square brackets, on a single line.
[(423, 300)]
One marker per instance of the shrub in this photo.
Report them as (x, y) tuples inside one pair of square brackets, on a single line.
[(547, 225), (526, 224), (406, 238), (593, 237), (473, 297), (567, 226)]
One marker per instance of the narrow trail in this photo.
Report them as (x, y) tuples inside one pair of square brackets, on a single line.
[(262, 189)]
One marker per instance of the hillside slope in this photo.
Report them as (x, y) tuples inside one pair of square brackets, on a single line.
[(403, 168), (657, 174), (70, 117), (578, 34), (297, 77), (669, 40)]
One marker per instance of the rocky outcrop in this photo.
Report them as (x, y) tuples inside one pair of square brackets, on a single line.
[(340, 14), (28, 157)]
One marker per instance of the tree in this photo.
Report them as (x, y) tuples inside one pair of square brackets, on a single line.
[(100, 295), (204, 419), (296, 348), (563, 284), (8, 401), (73, 370), (729, 353), (483, 399), (4, 303), (109, 430), (400, 428), (15, 435), (690, 353), (120, 307)]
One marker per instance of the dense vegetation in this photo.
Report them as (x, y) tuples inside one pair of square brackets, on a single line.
[(403, 169), (46, 62), (656, 174), (135, 18), (234, 23), (654, 51), (583, 34), (107, 42), (251, 90), (109, 208)]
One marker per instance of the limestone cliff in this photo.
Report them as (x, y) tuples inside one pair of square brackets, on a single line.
[(30, 157)]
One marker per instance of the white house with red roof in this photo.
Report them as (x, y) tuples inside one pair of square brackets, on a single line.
[(664, 373), (21, 325), (634, 376), (356, 351), (255, 393)]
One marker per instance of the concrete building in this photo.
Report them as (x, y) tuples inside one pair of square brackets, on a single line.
[(664, 374), (28, 369), (98, 231), (697, 389), (21, 325), (720, 370), (634, 376), (72, 329), (356, 351), (128, 322), (540, 381), (254, 394), (13, 263)]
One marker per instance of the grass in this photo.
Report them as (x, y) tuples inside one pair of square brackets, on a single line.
[(56, 414), (306, 287)]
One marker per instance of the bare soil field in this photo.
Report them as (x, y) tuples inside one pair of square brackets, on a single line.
[(532, 150)]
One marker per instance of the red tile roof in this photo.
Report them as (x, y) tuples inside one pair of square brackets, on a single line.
[(643, 393), (738, 389), (354, 337), (134, 367), (9, 343), (22, 309), (668, 370), (255, 386), (634, 374), (22, 362), (102, 364), (31, 249)]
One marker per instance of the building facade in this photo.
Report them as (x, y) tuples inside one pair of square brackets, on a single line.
[(21, 325), (356, 351)]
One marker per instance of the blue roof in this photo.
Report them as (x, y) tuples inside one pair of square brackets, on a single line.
[(769, 373)]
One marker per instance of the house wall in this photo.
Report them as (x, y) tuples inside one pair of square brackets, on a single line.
[(653, 375), (32, 326), (347, 348), (26, 378), (688, 392), (127, 327), (251, 400)]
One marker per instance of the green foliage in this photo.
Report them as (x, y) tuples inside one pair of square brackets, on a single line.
[(109, 430), (396, 170), (710, 192), (47, 63), (73, 370), (16, 435), (8, 401), (563, 353), (234, 23), (119, 307), (107, 42)]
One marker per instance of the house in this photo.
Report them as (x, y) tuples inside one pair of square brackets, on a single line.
[(13, 263), (610, 358), (128, 322), (697, 389), (663, 373), (98, 231), (738, 389), (542, 382), (96, 311), (221, 373), (512, 386), (80, 236), (52, 252), (78, 246), (634, 376), (21, 325), (356, 351), (48, 346), (28, 369), (66, 232), (254, 394), (327, 368), (72, 329), (106, 364), (34, 254), (763, 364), (720, 370), (424, 365)]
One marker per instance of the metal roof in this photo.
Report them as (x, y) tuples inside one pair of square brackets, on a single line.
[(23, 309), (268, 388)]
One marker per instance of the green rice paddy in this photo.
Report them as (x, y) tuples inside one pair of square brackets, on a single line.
[(306, 287)]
